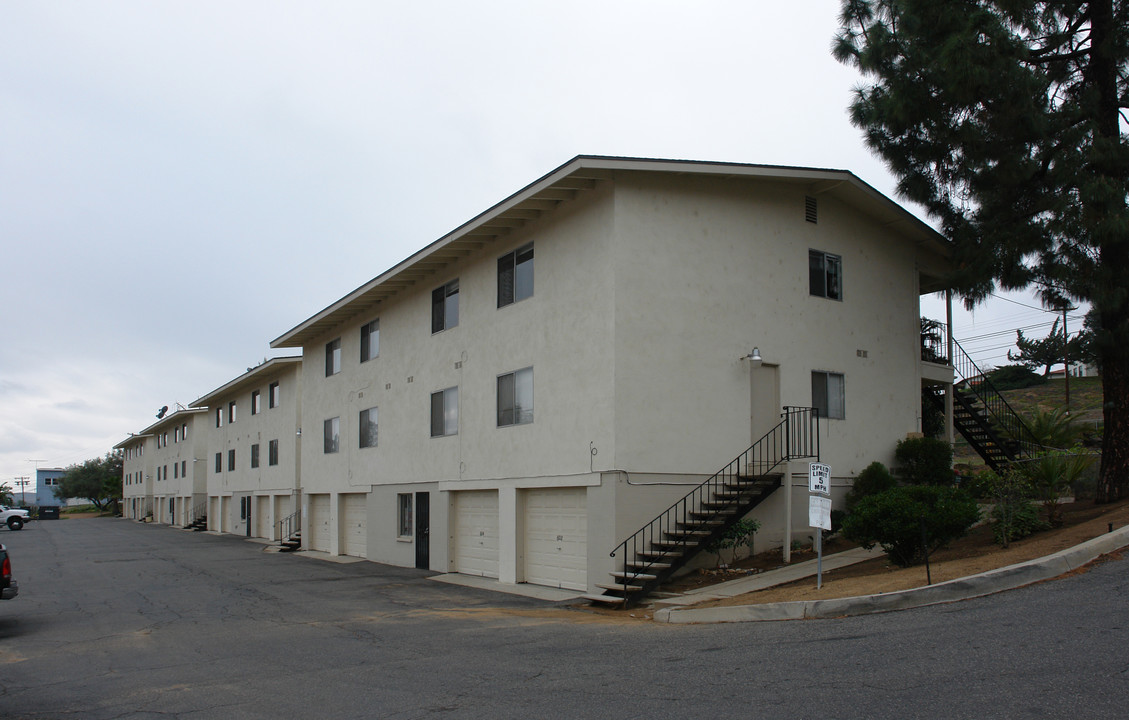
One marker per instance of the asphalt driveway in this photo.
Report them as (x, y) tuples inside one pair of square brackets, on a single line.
[(119, 619)]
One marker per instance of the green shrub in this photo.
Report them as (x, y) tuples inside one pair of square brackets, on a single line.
[(1052, 475), (1015, 377), (1052, 429), (1015, 520), (873, 479), (739, 535), (897, 519), (979, 485), (924, 461)]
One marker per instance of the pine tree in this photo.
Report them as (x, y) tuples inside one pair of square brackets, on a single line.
[(1047, 352), (1003, 120)]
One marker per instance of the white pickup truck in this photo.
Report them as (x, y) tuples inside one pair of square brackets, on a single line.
[(14, 518)]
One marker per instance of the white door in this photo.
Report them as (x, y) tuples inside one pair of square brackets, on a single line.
[(317, 534), (225, 513), (556, 537), (354, 538), (476, 532)]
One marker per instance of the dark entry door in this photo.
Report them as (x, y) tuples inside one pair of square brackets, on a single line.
[(423, 530)]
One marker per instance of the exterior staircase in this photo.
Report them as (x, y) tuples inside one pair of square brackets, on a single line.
[(290, 532), (200, 518), (984, 418), (666, 544)]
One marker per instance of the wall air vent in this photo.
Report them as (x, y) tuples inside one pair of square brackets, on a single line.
[(811, 209)]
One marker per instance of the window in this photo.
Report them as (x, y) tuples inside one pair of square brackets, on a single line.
[(255, 455), (404, 514), (175, 471), (275, 395), (231, 412), (370, 340), (176, 434), (272, 452), (219, 417), (219, 462), (827, 395), (255, 405), (184, 431), (515, 275), (445, 412), (445, 307), (825, 275), (166, 472), (333, 357), (515, 398), (332, 435), (184, 468), (368, 428), (231, 460)]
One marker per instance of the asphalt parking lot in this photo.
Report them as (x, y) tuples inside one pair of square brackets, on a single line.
[(116, 619)]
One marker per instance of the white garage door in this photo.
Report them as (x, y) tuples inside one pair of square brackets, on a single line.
[(317, 534), (556, 538), (225, 514), (263, 520), (476, 532), (353, 524)]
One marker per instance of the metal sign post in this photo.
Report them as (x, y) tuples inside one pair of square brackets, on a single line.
[(819, 511)]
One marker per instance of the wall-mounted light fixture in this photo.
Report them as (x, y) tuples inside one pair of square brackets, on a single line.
[(754, 357)]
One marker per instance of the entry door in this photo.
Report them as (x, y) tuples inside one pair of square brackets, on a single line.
[(423, 530), (765, 399)]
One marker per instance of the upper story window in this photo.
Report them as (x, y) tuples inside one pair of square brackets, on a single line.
[(515, 275), (368, 428), (332, 435), (515, 398), (219, 462), (219, 417), (828, 394), (255, 455), (256, 404), (825, 275), (333, 357), (370, 340), (275, 395), (231, 412), (445, 412), (231, 460), (272, 452), (445, 307)]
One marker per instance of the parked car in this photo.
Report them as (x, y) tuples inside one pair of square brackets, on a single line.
[(14, 518), (9, 588)]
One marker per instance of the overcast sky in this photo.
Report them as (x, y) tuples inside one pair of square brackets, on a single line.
[(182, 182)]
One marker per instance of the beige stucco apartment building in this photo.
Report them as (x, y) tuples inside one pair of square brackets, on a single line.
[(252, 433), (163, 469), (518, 397)]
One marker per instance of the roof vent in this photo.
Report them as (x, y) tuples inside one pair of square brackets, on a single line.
[(811, 209)]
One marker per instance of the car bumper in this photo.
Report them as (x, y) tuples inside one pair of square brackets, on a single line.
[(11, 591)]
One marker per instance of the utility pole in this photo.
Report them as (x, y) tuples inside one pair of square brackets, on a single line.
[(22, 482), (1066, 355)]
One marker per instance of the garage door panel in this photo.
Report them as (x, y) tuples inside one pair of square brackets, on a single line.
[(262, 517), (354, 535), (318, 531), (556, 537), (476, 532)]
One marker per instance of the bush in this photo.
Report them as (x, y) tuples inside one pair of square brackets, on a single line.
[(1015, 520), (1015, 377), (897, 518), (1052, 429), (873, 479), (1052, 476), (924, 461), (736, 537)]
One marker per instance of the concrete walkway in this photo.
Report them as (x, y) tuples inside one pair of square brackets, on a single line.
[(1005, 578)]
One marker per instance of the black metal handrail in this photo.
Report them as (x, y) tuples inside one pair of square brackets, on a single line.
[(198, 511), (795, 437), (289, 525), (1002, 413)]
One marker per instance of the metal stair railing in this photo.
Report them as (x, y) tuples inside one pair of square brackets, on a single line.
[(198, 511), (998, 408), (795, 437), (289, 525)]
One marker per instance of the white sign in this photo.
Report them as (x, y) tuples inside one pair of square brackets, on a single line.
[(819, 512), (819, 478)]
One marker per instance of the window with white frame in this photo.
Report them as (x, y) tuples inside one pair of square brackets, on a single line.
[(332, 435), (445, 307), (370, 340), (404, 515), (231, 412), (219, 417), (368, 427), (825, 275), (333, 357), (256, 404), (515, 398), (445, 412), (828, 394), (515, 276), (275, 394)]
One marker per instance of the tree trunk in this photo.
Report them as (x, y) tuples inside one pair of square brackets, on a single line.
[(1113, 480)]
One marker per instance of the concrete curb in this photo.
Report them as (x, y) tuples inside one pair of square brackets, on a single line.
[(993, 581)]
